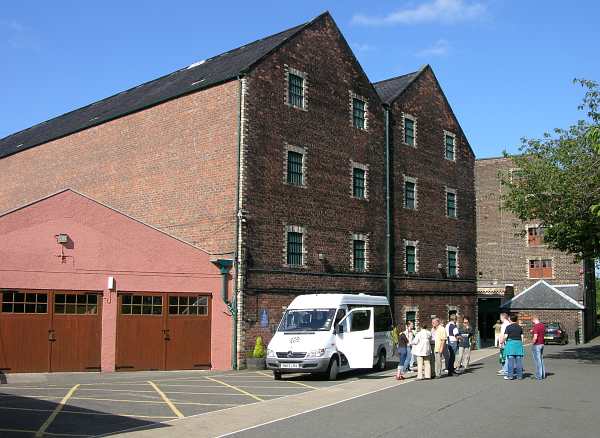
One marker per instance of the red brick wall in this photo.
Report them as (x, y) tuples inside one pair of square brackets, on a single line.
[(172, 166), (570, 320)]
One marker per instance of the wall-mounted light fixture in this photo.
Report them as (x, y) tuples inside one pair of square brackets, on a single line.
[(62, 238)]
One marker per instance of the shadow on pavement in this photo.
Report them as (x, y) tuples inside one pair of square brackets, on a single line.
[(582, 354), (23, 416)]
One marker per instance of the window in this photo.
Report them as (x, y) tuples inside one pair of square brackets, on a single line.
[(188, 305), (295, 174), (295, 256), (360, 320), (450, 145), (358, 182), (411, 315), (409, 131), (410, 193), (450, 203), (141, 305), (74, 304), (24, 302), (452, 262), (359, 112), (359, 255), (540, 268), (535, 236), (411, 259), (295, 90)]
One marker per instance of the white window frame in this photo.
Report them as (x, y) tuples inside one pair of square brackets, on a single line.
[(364, 238), (414, 243), (300, 150), (414, 120), (414, 181), (455, 249), (453, 135), (406, 309), (290, 70), (294, 229), (551, 258)]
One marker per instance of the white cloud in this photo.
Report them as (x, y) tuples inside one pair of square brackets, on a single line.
[(439, 48), (440, 11), (18, 36), (363, 48)]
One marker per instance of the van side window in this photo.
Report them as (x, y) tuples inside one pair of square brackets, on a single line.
[(383, 319), (341, 313), (361, 320)]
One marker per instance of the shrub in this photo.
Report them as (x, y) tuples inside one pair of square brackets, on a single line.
[(259, 348)]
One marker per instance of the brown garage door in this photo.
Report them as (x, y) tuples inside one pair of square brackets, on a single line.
[(161, 331), (44, 331)]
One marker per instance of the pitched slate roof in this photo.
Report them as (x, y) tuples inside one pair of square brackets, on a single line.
[(390, 89), (541, 296), (575, 291), (203, 74)]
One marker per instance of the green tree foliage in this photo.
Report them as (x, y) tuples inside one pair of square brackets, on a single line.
[(558, 183), (259, 348)]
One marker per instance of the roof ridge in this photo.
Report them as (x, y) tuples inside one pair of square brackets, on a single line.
[(396, 77)]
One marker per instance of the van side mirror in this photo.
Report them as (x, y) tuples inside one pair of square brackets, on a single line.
[(340, 329)]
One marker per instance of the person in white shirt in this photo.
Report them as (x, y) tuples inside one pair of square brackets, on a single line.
[(421, 349), (452, 333), (505, 323)]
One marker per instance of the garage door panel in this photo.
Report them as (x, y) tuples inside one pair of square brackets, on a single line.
[(77, 326), (140, 332), (24, 331)]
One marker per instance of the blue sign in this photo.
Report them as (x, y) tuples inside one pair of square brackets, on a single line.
[(264, 318)]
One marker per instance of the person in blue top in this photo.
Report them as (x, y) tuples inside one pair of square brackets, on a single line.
[(513, 349)]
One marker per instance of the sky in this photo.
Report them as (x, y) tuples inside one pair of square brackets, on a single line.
[(506, 66)]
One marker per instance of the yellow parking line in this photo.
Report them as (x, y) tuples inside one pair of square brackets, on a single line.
[(255, 397), (45, 433), (166, 399), (289, 381), (155, 402), (56, 411), (67, 411)]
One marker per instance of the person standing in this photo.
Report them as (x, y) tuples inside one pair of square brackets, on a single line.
[(537, 349), (513, 349), (505, 323), (402, 351), (497, 329), (465, 341), (438, 338), (410, 334), (452, 336), (421, 349)]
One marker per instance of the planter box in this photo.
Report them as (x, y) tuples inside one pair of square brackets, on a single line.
[(255, 363)]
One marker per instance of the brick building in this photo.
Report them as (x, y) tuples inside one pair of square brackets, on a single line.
[(278, 158), (511, 255)]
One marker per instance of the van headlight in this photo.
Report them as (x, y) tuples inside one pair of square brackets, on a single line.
[(316, 353), (271, 353)]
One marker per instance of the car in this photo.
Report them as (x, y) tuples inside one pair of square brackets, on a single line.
[(555, 334)]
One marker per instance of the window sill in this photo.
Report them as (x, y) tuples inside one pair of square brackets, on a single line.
[(414, 146), (301, 108), (359, 199), (300, 186)]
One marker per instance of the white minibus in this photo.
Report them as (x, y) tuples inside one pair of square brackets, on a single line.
[(332, 333)]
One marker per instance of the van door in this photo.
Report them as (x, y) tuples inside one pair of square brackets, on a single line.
[(357, 338)]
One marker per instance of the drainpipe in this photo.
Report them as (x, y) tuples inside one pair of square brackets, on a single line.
[(388, 210)]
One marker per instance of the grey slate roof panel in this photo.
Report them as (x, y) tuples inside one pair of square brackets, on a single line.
[(539, 297), (389, 89), (575, 291), (197, 76)]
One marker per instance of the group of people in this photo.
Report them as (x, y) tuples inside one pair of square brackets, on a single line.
[(443, 350), (512, 351), (446, 349)]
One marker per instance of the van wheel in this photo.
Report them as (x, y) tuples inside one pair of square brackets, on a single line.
[(381, 361), (276, 375), (333, 369)]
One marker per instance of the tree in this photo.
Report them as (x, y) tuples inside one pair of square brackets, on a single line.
[(558, 183)]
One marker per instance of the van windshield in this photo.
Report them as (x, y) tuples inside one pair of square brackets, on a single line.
[(302, 320)]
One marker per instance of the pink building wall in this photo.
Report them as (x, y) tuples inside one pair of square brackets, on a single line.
[(105, 243)]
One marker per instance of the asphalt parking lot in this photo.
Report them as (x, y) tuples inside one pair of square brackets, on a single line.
[(80, 404)]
